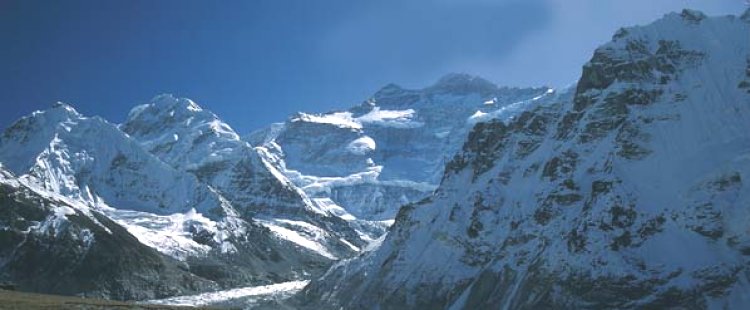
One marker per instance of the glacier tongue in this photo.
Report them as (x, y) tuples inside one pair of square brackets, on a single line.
[(244, 297)]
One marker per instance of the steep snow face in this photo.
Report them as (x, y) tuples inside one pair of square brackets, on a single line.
[(631, 192), (90, 160), (180, 132), (196, 141), (391, 149), (322, 149)]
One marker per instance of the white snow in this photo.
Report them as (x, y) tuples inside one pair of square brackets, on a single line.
[(442, 134), (349, 244), (507, 111), (168, 234), (361, 146), (314, 184), (136, 111), (223, 129), (390, 118), (340, 119), (375, 244), (477, 115), (327, 206), (278, 290), (192, 106), (312, 240), (376, 116)]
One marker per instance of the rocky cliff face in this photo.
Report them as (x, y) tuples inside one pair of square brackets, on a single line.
[(630, 191), (47, 244)]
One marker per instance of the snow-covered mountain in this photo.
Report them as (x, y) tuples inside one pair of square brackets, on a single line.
[(52, 244), (196, 141), (628, 191), (110, 177), (90, 160), (391, 149)]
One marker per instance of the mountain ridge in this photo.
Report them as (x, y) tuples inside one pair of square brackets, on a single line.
[(624, 194), (625, 190)]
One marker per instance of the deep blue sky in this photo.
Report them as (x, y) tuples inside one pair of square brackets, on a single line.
[(256, 62)]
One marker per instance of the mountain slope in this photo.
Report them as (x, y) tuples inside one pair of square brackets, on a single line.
[(196, 141), (628, 192), (48, 245), (93, 163), (65, 152)]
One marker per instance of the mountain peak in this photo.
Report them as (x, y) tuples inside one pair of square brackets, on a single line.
[(168, 106), (62, 108), (746, 16), (693, 16), (181, 117), (388, 90), (169, 100), (60, 104), (463, 83)]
